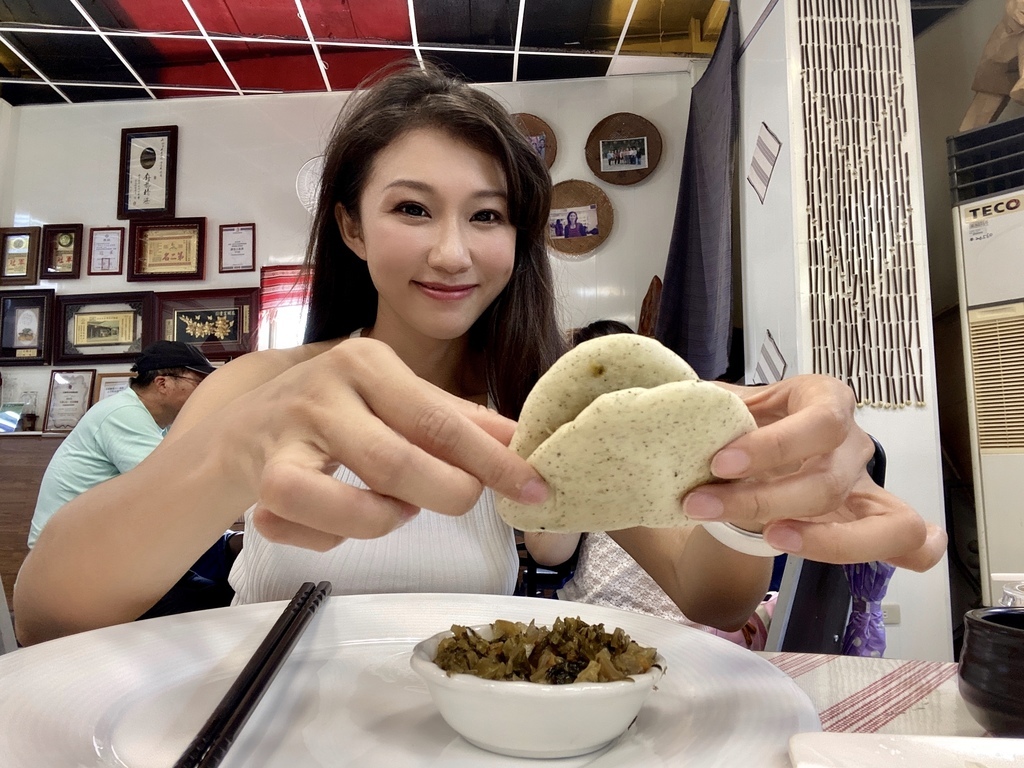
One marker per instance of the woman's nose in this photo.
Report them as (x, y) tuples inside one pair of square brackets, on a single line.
[(451, 251)]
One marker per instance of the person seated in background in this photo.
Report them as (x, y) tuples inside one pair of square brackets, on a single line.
[(115, 435)]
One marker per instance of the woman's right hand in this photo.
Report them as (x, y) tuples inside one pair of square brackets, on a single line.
[(269, 429), (411, 442)]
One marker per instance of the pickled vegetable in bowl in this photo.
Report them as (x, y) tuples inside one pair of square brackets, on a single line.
[(572, 651), (502, 710)]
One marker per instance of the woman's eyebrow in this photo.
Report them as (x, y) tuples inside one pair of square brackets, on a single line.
[(422, 186)]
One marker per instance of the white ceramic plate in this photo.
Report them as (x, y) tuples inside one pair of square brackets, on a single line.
[(878, 750), (136, 694)]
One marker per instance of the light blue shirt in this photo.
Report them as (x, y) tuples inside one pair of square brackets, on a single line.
[(113, 436)]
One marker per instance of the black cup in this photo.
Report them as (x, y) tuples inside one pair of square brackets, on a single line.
[(991, 671)]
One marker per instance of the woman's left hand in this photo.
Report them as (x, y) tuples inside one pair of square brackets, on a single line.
[(804, 479)]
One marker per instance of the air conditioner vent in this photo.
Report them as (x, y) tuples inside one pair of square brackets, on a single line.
[(997, 360), (986, 160), (861, 227)]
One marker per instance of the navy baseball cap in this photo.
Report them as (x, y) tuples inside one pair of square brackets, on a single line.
[(172, 354)]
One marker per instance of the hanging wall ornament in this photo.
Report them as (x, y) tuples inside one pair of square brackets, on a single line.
[(540, 135), (623, 148), (581, 219)]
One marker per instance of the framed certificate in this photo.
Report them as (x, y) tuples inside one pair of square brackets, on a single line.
[(61, 256), (172, 249), (19, 255), (69, 398), (106, 249), (148, 172), (108, 384), (102, 328), (238, 248), (219, 322), (25, 321)]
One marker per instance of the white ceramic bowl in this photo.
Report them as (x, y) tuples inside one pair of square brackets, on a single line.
[(525, 719)]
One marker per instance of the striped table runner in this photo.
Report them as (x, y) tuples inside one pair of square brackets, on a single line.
[(865, 695)]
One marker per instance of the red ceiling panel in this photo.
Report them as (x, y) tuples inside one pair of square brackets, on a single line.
[(379, 19), (252, 18), (346, 69), (153, 17)]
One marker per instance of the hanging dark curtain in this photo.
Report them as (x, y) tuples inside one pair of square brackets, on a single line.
[(695, 318)]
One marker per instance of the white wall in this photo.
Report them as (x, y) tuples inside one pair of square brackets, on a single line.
[(775, 295), (238, 158), (947, 54)]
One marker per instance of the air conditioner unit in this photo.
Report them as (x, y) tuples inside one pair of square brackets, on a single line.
[(987, 183)]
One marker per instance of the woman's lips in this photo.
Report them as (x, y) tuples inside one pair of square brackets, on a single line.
[(443, 292)]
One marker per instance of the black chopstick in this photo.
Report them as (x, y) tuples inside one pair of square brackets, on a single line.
[(220, 730)]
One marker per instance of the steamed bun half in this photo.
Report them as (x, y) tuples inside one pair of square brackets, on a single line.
[(620, 428)]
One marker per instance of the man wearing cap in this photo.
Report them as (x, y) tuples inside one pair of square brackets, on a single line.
[(120, 431)]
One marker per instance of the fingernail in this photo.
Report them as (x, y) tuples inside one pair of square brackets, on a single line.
[(534, 492), (408, 515), (784, 538), (703, 506), (731, 462)]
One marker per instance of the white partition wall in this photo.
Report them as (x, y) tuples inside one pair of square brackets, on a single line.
[(834, 257)]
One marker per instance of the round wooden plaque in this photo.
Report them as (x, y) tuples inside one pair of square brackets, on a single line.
[(540, 135), (623, 148), (593, 215)]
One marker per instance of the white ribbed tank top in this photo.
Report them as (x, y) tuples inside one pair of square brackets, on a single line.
[(432, 553), (474, 553)]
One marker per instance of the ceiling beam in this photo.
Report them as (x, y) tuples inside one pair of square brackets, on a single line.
[(715, 19), (312, 44), (697, 42)]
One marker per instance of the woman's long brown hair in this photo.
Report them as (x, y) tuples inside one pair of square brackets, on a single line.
[(518, 332)]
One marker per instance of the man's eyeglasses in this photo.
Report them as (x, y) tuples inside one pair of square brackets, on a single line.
[(194, 380)]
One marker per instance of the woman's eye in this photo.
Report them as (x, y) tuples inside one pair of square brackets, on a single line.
[(411, 209), (486, 216)]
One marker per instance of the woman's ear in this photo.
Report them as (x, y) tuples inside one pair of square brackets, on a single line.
[(351, 232)]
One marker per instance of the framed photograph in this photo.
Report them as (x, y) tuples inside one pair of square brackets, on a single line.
[(70, 397), (19, 255), (541, 137), (61, 252), (106, 251), (25, 321), (581, 218), (621, 155), (102, 328), (623, 148), (108, 384), (238, 248), (219, 322), (579, 221), (148, 172), (172, 249)]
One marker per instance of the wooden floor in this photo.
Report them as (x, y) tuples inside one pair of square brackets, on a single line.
[(23, 459)]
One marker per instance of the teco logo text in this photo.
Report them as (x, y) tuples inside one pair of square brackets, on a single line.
[(1003, 206)]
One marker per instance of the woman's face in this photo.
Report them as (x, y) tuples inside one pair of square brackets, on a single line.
[(433, 228), (572, 217)]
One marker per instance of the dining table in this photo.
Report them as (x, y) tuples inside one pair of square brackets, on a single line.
[(860, 694), (135, 694)]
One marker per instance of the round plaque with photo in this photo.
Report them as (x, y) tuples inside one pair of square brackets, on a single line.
[(540, 135), (581, 219), (623, 148)]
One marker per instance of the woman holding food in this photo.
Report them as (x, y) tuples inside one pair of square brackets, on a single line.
[(431, 317)]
